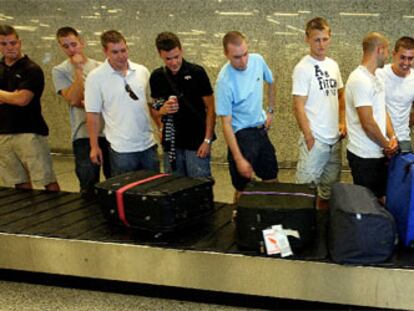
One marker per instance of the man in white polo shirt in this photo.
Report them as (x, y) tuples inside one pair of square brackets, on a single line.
[(117, 90), (371, 136), (399, 90)]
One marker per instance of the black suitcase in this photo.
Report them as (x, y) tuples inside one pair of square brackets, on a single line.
[(156, 202), (361, 231), (262, 205)]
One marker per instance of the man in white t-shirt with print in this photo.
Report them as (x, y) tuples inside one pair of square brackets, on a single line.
[(398, 79), (371, 136), (117, 91), (319, 108)]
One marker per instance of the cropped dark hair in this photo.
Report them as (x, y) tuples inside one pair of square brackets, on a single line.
[(111, 36), (317, 23), (405, 43), (7, 30), (66, 31), (166, 41)]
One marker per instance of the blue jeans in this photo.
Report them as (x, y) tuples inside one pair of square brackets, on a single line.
[(123, 162), (188, 164), (87, 172)]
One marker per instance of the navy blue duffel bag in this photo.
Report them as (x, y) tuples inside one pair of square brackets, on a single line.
[(361, 231)]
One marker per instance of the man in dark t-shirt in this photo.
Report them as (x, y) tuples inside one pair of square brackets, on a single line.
[(24, 151), (184, 106)]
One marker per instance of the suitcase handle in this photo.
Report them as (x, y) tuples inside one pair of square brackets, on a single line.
[(294, 194), (120, 197)]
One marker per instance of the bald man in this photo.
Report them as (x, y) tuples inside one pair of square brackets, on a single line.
[(371, 137)]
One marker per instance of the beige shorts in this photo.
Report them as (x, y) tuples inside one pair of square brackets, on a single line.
[(25, 158), (320, 165)]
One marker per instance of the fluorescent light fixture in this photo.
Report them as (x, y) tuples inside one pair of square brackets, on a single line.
[(90, 17), (285, 33), (26, 28), (295, 28), (193, 32), (285, 14), (358, 14), (235, 13), (271, 20)]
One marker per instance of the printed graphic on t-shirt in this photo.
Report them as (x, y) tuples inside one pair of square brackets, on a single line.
[(327, 84)]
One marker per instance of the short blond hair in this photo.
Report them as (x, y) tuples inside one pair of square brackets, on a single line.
[(317, 23)]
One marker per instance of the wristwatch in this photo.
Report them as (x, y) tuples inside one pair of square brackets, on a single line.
[(208, 141), (158, 104)]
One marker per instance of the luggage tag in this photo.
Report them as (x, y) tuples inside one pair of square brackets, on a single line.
[(290, 232), (276, 241), (272, 246), (282, 241)]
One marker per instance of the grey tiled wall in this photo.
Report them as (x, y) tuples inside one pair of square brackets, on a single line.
[(274, 27)]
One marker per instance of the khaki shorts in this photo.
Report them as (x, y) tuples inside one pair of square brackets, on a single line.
[(25, 158), (320, 165)]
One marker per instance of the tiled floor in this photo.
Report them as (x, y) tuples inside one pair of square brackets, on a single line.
[(24, 296), (16, 296)]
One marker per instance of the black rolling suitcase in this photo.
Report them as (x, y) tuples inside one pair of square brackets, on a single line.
[(156, 202), (361, 231), (262, 205)]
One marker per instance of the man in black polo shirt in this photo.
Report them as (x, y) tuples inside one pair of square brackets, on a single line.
[(24, 151), (184, 104)]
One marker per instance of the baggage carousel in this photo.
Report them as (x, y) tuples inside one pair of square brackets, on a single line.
[(65, 234)]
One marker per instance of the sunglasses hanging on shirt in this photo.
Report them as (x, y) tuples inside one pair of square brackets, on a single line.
[(130, 92)]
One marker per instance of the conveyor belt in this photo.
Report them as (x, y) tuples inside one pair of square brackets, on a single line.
[(62, 233)]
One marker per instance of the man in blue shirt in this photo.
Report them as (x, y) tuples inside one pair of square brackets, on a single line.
[(239, 103)]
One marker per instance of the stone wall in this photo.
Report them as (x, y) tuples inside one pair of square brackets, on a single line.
[(274, 28)]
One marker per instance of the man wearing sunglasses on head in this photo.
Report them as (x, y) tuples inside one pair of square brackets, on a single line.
[(117, 91)]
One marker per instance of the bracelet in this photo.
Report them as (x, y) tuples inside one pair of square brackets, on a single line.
[(270, 110), (208, 141)]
